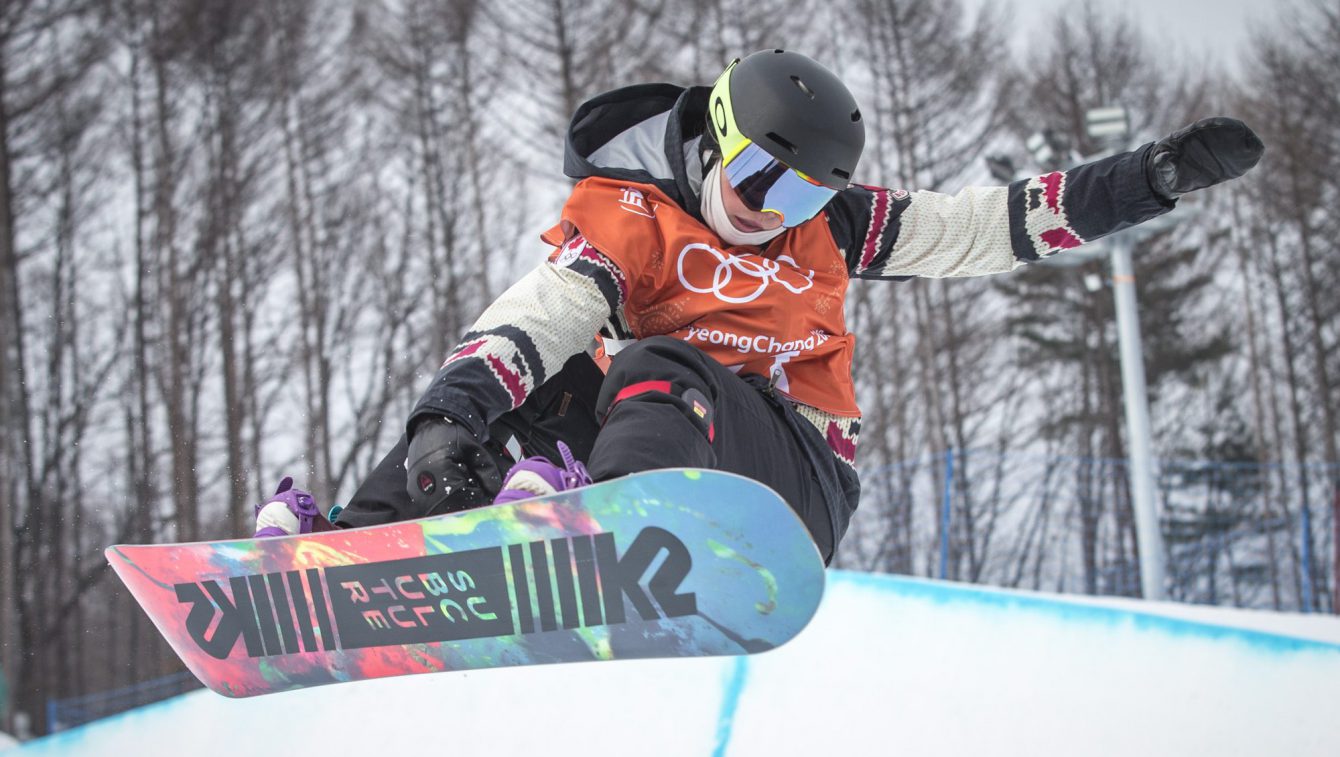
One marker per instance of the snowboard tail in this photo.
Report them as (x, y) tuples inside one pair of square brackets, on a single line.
[(675, 563)]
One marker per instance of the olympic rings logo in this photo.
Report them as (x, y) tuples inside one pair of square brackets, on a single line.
[(727, 266)]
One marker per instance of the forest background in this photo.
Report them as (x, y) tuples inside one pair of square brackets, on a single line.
[(238, 237)]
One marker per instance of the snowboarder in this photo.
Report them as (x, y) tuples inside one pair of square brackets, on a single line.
[(717, 228)]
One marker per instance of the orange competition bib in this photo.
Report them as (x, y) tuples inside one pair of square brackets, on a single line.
[(777, 313)]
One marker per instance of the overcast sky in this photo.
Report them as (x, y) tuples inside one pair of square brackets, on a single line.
[(1218, 28)]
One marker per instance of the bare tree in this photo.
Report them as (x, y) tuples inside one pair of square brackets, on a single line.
[(1095, 59), (565, 51), (228, 60), (47, 109), (179, 274), (1291, 98), (932, 113)]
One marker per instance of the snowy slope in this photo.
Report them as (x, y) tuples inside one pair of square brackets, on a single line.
[(889, 666)]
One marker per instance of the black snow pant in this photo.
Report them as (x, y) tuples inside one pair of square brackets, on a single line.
[(663, 404)]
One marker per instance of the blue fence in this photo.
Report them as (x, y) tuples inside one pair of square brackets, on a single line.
[(73, 711), (1238, 534)]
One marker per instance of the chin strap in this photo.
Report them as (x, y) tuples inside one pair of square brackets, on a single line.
[(714, 212)]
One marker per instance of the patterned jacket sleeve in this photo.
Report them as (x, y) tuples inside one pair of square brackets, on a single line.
[(525, 336), (896, 234)]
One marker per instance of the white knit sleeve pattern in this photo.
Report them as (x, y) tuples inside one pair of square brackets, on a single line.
[(966, 234), (527, 334)]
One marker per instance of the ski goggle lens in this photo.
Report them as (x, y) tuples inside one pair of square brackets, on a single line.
[(767, 185)]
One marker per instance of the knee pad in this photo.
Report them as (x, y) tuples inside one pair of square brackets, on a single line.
[(690, 402), (660, 370)]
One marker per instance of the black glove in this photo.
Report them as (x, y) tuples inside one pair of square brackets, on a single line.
[(448, 468), (1203, 154)]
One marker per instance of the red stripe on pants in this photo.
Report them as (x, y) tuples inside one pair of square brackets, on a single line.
[(641, 387)]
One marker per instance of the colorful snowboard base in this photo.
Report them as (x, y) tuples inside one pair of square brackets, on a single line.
[(671, 563)]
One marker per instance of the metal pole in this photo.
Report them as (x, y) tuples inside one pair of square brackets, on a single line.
[(1147, 532), (1306, 538), (945, 513), (1335, 542)]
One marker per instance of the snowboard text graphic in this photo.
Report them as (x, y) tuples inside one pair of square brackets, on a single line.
[(497, 591)]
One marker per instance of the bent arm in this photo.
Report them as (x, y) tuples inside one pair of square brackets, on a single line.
[(524, 337)]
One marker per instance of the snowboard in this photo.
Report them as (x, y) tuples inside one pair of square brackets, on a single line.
[(669, 563)]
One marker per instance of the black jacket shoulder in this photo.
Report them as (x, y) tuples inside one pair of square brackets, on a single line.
[(646, 133)]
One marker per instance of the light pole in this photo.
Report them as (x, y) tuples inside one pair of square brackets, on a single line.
[(1110, 126), (1147, 532)]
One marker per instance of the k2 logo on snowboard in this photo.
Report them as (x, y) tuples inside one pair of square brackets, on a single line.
[(568, 583)]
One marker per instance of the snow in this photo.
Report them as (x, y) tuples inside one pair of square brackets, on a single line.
[(889, 665)]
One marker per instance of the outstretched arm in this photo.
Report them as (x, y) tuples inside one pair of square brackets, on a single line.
[(890, 234)]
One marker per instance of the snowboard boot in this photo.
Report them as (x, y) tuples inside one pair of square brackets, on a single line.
[(290, 511), (537, 477)]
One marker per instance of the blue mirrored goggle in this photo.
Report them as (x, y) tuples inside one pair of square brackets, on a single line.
[(768, 185)]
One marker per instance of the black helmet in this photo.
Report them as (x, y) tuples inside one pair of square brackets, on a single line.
[(795, 109)]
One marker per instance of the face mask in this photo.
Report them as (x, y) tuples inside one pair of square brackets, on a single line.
[(714, 212)]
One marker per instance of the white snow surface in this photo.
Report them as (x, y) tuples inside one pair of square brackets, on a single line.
[(888, 666)]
